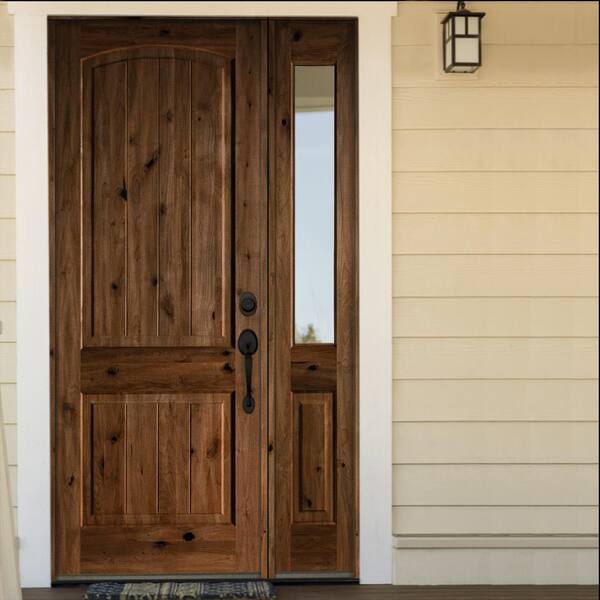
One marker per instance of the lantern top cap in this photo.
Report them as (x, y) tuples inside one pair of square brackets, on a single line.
[(462, 11)]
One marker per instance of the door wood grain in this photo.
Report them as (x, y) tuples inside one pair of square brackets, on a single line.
[(158, 187)]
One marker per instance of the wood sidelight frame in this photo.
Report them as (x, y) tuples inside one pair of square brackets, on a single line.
[(313, 382), (337, 367)]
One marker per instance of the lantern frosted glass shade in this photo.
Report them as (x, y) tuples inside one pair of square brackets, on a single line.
[(461, 39)]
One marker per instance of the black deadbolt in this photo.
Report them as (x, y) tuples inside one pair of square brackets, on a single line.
[(248, 304)]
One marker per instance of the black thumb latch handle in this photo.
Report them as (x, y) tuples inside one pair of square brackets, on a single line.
[(248, 345)]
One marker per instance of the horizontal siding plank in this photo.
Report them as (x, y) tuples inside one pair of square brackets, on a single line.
[(500, 400), (495, 192), (506, 23), (495, 234), (8, 280), (8, 321), (10, 435), (495, 276), (7, 110), (8, 363), (495, 150), (495, 358), (537, 317), (517, 442), (510, 66), (8, 238), (495, 520), (7, 196), (7, 75), (497, 566), (7, 152), (464, 485), (500, 541), (498, 108), (8, 398)]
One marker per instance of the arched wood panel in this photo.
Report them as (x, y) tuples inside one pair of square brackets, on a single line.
[(157, 197)]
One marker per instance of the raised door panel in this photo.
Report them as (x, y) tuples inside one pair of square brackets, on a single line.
[(157, 225), (158, 458), (313, 457)]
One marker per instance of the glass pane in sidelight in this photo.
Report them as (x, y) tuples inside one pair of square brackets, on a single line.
[(314, 204)]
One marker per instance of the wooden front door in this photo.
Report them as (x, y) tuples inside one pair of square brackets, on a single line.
[(192, 434)]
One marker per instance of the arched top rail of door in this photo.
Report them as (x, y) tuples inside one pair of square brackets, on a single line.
[(107, 57)]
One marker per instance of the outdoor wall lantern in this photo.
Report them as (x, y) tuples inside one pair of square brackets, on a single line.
[(461, 38)]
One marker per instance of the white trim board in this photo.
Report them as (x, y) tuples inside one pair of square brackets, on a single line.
[(375, 270)]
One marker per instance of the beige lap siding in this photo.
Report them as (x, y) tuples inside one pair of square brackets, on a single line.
[(495, 241), (7, 247)]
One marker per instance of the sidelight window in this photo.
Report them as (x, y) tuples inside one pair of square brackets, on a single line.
[(314, 204)]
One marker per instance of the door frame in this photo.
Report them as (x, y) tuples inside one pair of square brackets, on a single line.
[(375, 261)]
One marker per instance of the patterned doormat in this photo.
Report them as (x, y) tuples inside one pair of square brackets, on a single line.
[(191, 590)]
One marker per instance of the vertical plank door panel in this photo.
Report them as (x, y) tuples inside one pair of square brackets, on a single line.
[(108, 458), (143, 157), (211, 184), (174, 457), (142, 456), (109, 213), (174, 272), (210, 441)]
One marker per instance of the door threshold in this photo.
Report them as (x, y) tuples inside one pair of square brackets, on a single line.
[(82, 579), (313, 578)]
